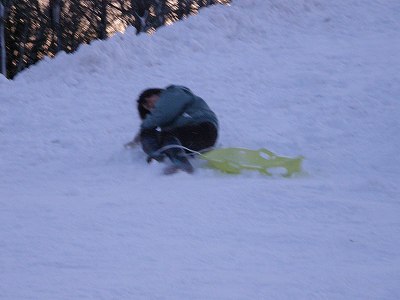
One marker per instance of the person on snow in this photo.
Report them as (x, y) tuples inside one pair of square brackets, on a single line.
[(174, 116)]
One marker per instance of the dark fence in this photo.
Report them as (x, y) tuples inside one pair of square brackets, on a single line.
[(33, 29)]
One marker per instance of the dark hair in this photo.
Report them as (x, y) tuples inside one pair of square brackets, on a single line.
[(142, 99)]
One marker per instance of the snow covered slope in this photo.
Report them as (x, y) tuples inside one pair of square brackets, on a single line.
[(83, 218)]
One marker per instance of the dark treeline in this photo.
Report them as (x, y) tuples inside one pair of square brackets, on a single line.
[(33, 29)]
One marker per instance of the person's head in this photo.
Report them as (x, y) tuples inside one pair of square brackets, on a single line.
[(147, 100)]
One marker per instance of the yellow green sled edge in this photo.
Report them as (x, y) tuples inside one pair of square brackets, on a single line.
[(234, 160)]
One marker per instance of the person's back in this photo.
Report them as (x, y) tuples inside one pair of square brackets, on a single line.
[(177, 107)]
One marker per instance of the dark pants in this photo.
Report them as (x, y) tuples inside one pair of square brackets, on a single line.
[(195, 137)]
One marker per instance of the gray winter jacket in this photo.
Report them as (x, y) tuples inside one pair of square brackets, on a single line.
[(177, 107)]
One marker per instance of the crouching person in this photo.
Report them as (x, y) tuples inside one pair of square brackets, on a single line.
[(172, 118)]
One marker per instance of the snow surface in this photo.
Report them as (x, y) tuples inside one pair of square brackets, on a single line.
[(83, 218)]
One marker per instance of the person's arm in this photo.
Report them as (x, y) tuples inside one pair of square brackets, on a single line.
[(171, 104)]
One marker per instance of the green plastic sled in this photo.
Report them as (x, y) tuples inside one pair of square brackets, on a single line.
[(234, 160)]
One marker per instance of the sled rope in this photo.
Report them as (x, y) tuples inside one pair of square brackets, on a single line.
[(159, 151)]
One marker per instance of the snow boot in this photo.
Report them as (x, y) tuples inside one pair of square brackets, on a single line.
[(177, 157)]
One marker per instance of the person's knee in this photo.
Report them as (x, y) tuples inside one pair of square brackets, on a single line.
[(149, 133), (150, 139)]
